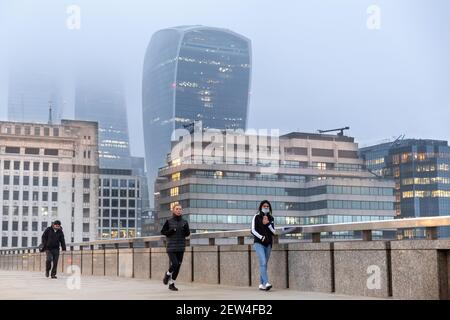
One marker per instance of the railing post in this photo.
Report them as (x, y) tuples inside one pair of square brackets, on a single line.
[(367, 235), (316, 237), (241, 240), (431, 233)]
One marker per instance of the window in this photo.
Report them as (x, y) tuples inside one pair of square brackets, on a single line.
[(5, 181), (34, 241), (34, 226), (15, 226), (35, 211), (46, 131), (5, 194), (24, 225), (44, 225), (16, 165), (27, 131), (14, 150), (26, 180), (55, 167), (85, 227), (86, 198), (6, 164), (44, 196), (5, 225), (36, 181), (56, 132), (4, 241), (25, 195), (51, 152), (24, 242), (31, 150), (322, 152), (86, 183), (26, 165), (45, 181), (14, 242), (106, 192), (25, 211), (37, 131), (36, 166), (35, 196), (16, 195), (54, 196), (86, 213), (123, 183), (45, 166)]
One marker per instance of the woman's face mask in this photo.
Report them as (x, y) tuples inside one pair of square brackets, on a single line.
[(265, 210)]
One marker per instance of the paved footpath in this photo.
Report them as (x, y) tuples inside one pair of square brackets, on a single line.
[(17, 285)]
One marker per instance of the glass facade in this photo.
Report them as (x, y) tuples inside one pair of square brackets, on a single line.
[(104, 101), (191, 74), (420, 169)]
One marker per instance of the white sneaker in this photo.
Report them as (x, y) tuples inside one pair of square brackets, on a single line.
[(268, 286), (262, 287)]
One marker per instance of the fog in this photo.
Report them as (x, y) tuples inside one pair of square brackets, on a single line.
[(316, 64)]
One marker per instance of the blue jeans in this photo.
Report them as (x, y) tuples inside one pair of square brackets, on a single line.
[(263, 253)]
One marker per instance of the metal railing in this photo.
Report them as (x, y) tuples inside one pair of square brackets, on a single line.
[(430, 224)]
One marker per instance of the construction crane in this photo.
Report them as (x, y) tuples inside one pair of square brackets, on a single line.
[(340, 133)]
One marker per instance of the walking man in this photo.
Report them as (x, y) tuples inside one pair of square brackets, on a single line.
[(52, 239)]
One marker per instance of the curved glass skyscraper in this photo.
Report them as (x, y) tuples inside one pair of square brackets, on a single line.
[(192, 73)]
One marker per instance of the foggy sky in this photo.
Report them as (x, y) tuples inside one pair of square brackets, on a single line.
[(316, 65)]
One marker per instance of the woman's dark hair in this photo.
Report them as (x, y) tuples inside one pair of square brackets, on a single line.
[(264, 202)]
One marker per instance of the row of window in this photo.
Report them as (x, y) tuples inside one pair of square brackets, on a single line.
[(274, 191), (123, 183), (115, 233), (15, 242), (115, 213), (14, 226), (117, 223), (240, 219), (26, 165), (31, 151), (426, 194), (122, 193), (289, 206), (35, 211), (28, 130), (36, 181), (116, 203), (35, 196)]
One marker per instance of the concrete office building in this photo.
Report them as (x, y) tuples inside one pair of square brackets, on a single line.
[(316, 179), (48, 172)]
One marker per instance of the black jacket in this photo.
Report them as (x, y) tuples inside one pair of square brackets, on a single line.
[(52, 239), (263, 233), (176, 229)]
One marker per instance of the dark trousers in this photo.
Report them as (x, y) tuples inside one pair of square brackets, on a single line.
[(52, 256), (176, 258)]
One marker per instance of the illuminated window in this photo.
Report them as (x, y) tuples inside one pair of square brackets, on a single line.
[(176, 176), (174, 191)]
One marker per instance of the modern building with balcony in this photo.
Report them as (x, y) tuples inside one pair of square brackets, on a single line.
[(48, 172), (309, 179)]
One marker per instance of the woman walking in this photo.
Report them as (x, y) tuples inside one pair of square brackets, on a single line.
[(263, 230)]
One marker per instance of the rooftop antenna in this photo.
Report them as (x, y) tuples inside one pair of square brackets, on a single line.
[(50, 112)]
